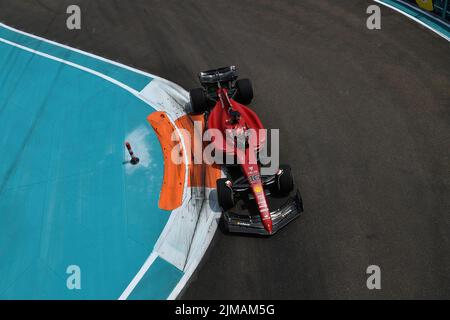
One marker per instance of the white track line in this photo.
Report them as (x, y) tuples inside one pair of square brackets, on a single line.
[(193, 265), (88, 54), (414, 18), (74, 65), (138, 277)]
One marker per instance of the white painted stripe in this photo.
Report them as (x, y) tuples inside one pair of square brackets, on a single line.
[(91, 55), (414, 18), (138, 277), (77, 66), (204, 236)]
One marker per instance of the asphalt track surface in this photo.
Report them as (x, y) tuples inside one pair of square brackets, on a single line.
[(365, 123)]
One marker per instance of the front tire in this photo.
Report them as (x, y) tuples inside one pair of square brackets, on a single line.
[(225, 194), (285, 181), (199, 100), (244, 93)]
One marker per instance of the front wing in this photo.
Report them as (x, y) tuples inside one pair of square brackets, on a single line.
[(238, 223)]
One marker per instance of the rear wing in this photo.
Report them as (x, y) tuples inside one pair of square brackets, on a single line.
[(221, 75)]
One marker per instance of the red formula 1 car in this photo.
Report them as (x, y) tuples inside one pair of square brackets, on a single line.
[(252, 202)]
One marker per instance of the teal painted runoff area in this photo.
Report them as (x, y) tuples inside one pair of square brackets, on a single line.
[(67, 197), (130, 78), (158, 282)]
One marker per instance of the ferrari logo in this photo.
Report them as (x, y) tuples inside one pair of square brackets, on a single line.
[(258, 189)]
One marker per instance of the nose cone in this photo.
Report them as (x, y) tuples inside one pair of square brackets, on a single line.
[(268, 225)]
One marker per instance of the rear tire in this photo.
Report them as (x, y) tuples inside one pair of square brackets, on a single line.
[(225, 194), (285, 181), (199, 100), (244, 94)]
